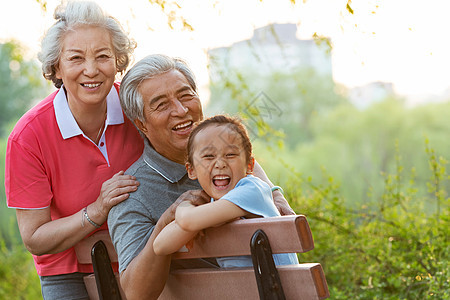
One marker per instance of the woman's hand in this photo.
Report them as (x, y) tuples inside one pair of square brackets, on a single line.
[(113, 191)]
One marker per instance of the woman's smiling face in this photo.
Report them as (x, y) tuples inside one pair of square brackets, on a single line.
[(87, 65)]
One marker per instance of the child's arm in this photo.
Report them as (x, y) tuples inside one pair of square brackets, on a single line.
[(195, 218), (171, 239), (190, 219)]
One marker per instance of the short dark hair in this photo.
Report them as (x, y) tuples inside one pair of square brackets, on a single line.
[(233, 122)]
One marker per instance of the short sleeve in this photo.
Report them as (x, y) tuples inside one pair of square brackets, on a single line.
[(130, 229), (253, 195), (27, 185)]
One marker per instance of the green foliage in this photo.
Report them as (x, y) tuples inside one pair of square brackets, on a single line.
[(349, 8), (286, 103), (6, 215), (355, 146), (18, 277), (375, 194), (20, 83), (386, 247), (42, 4)]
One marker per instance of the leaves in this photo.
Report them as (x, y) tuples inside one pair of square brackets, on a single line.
[(175, 19), (348, 7), (43, 5), (20, 84), (322, 40), (18, 277), (385, 252), (369, 192)]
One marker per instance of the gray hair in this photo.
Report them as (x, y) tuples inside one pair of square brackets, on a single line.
[(68, 17), (148, 67)]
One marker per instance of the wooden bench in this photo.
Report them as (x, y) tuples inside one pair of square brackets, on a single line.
[(286, 234)]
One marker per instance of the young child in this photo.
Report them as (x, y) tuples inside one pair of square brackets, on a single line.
[(220, 158)]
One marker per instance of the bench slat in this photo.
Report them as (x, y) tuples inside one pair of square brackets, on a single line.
[(304, 281), (287, 234)]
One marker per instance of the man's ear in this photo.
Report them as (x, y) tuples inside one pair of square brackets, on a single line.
[(191, 171), (140, 125), (250, 165)]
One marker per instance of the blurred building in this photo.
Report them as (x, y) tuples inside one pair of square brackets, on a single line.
[(272, 48), (276, 48), (363, 96)]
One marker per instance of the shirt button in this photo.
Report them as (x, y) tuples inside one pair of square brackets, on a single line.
[(102, 144)]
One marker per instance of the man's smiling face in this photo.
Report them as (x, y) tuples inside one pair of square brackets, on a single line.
[(171, 107)]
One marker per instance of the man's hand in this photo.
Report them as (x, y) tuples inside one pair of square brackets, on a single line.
[(195, 197)]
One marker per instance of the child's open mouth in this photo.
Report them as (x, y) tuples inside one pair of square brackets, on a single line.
[(221, 181)]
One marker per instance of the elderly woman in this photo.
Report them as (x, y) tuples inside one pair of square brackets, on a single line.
[(160, 95), (65, 157)]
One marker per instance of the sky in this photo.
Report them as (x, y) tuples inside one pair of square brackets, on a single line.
[(404, 42)]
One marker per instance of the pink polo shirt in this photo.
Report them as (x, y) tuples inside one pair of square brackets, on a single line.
[(51, 163)]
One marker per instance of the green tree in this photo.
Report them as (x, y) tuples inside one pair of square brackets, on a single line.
[(20, 84), (287, 102), (387, 247), (18, 277)]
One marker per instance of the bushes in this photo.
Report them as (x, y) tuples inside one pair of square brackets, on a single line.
[(18, 277), (392, 247)]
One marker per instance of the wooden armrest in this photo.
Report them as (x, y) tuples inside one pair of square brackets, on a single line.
[(287, 234), (84, 247)]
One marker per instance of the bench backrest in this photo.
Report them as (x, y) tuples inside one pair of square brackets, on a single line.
[(286, 234)]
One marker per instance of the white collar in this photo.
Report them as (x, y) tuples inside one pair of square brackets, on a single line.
[(66, 122)]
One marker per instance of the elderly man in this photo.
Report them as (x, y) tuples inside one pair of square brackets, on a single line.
[(159, 95)]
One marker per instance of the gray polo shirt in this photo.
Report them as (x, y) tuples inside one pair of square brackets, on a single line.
[(132, 221)]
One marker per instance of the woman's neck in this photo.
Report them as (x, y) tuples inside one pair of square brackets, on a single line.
[(90, 118)]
